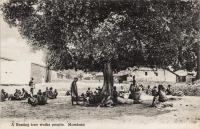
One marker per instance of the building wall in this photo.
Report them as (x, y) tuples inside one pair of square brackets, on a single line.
[(37, 72), (150, 75), (170, 77), (15, 72)]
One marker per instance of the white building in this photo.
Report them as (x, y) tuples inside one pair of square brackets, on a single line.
[(15, 72), (149, 74), (20, 72)]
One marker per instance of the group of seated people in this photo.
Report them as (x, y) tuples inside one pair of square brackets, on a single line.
[(126, 97), (19, 95), (168, 90), (41, 97), (104, 99), (50, 93)]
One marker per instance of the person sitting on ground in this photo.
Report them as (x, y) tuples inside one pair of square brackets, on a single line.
[(33, 100), (55, 93), (115, 95), (24, 95), (135, 93), (15, 96), (4, 95), (42, 98), (68, 93), (168, 90), (39, 92), (160, 96), (94, 99), (39, 95), (99, 89), (50, 94), (88, 92), (148, 90)]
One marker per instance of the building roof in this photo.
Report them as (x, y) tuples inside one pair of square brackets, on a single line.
[(182, 73), (5, 58)]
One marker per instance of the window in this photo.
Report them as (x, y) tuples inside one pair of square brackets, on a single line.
[(146, 73)]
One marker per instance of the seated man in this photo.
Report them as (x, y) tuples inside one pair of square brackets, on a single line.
[(68, 93), (168, 90), (159, 96), (88, 92), (50, 94), (94, 98), (39, 92), (24, 94), (4, 95), (33, 100), (99, 89), (16, 95), (42, 98)]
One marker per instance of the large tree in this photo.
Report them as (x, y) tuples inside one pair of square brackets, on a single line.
[(107, 35)]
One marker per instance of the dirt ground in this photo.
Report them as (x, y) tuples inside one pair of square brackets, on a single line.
[(184, 113)]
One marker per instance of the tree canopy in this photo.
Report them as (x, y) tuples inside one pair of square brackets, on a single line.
[(84, 34)]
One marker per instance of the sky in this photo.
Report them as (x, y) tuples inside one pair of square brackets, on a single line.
[(13, 46)]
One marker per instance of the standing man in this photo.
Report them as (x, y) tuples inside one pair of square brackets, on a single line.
[(32, 85), (74, 91)]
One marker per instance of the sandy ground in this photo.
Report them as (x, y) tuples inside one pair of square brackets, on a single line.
[(184, 114)]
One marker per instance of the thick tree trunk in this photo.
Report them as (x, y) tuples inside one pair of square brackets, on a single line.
[(198, 61), (108, 79)]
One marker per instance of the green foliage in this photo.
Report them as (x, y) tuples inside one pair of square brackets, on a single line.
[(84, 34)]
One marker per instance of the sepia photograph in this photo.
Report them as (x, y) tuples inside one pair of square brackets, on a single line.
[(100, 64)]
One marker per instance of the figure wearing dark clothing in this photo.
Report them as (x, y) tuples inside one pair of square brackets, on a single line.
[(99, 89), (31, 85), (88, 92), (4, 95), (74, 91), (168, 90), (24, 95), (16, 95), (55, 93), (115, 95), (134, 81), (39, 92), (51, 94)]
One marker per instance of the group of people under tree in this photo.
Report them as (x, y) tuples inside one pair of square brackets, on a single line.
[(34, 99), (103, 99)]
